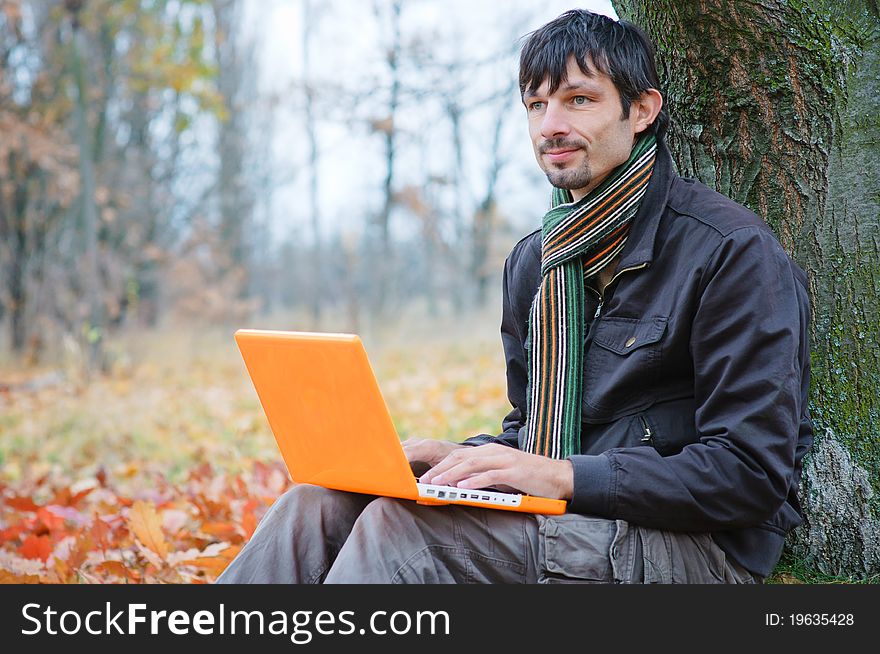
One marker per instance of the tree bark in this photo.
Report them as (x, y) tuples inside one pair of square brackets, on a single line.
[(384, 265), (94, 323), (318, 288), (234, 59), (757, 92)]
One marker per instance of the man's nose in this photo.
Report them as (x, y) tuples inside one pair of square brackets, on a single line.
[(555, 122)]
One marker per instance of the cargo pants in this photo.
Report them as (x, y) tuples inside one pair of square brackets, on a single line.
[(314, 535)]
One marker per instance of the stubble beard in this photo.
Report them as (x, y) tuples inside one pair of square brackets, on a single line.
[(563, 175), (570, 178)]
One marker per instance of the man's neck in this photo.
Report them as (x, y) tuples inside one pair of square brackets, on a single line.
[(579, 194), (604, 276)]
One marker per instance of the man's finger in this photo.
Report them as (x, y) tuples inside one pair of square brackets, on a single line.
[(455, 468)]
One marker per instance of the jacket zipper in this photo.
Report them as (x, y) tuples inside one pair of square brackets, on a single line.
[(648, 437), (616, 275), (630, 269)]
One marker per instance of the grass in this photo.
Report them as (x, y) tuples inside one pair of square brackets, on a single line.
[(179, 398), (791, 570)]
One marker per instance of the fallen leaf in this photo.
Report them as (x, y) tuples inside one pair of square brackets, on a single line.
[(118, 569), (7, 577), (174, 520), (152, 558), (80, 550), (52, 521), (11, 533), (36, 547), (249, 524), (194, 554), (21, 503), (222, 530), (80, 496), (145, 524), (786, 578), (68, 513), (13, 563), (101, 532), (216, 564)]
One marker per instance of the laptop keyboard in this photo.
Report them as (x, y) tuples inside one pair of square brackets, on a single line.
[(453, 494)]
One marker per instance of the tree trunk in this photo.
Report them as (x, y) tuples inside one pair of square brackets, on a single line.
[(756, 91), (384, 266), (234, 60), (94, 324), (317, 290), (485, 216), (17, 252)]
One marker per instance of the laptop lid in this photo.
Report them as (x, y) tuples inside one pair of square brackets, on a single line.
[(331, 423), (328, 416)]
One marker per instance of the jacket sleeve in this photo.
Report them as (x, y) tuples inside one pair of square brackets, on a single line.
[(747, 347), (517, 378)]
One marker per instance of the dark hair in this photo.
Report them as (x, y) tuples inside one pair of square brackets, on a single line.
[(619, 49)]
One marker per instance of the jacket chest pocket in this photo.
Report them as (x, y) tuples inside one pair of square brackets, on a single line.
[(621, 364)]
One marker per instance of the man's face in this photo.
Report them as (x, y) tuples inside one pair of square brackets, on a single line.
[(578, 133)]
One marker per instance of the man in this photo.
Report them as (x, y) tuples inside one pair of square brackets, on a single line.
[(657, 365)]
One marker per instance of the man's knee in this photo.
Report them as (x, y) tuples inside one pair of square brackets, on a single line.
[(302, 494), (390, 518), (294, 498), (311, 501), (384, 511)]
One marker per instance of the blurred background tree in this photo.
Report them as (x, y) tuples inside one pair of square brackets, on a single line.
[(100, 98), (159, 163)]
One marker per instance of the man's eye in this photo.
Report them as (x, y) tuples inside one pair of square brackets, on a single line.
[(580, 99), (536, 106)]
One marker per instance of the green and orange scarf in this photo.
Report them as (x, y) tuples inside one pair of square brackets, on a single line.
[(578, 239)]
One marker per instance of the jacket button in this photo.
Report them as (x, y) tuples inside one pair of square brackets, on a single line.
[(630, 341)]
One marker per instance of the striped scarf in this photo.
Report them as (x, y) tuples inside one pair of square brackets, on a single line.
[(577, 240)]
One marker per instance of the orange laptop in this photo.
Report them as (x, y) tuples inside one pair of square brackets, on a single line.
[(324, 406)]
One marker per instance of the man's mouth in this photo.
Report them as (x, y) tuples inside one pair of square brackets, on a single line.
[(559, 151), (558, 155)]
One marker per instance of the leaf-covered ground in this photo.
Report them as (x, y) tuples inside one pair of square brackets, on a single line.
[(160, 471)]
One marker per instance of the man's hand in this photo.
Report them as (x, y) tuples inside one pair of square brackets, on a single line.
[(501, 466), (429, 450)]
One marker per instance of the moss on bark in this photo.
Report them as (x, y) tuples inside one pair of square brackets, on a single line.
[(773, 103)]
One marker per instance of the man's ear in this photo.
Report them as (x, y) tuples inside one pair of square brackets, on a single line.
[(645, 109)]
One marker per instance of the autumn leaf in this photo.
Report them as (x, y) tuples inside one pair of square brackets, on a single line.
[(80, 550), (76, 498), (65, 497), (145, 524), (21, 503), (118, 569), (66, 514), (249, 524), (786, 578), (52, 521), (7, 577), (216, 564), (173, 520), (12, 533), (100, 532), (222, 530), (36, 547)]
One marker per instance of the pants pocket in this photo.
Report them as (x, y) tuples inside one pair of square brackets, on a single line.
[(575, 549), (682, 558)]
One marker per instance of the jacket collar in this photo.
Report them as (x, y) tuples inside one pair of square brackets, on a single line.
[(639, 249)]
